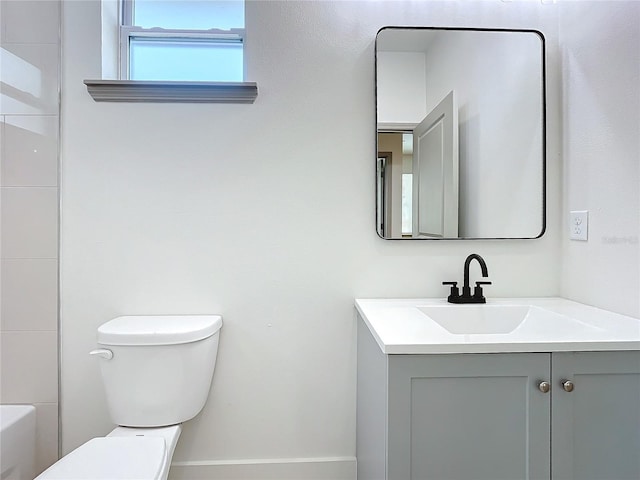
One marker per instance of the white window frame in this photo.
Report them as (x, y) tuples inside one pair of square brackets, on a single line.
[(166, 91), (129, 31)]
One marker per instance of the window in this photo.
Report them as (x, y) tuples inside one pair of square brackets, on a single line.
[(182, 40), (174, 51)]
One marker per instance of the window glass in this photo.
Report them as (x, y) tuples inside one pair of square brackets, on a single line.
[(175, 60), (189, 14), (407, 203)]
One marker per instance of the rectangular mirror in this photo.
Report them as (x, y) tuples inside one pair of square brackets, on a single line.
[(460, 133)]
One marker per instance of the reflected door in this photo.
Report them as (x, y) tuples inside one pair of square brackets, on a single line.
[(435, 172)]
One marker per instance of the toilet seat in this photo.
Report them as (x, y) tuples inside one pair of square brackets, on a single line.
[(111, 458)]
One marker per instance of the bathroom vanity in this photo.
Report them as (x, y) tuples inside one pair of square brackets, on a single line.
[(515, 389)]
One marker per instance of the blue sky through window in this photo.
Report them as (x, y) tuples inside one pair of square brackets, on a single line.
[(189, 14)]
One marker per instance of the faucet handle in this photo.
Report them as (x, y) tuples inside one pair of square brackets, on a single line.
[(477, 292), (455, 293)]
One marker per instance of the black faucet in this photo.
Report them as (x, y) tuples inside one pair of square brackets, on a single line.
[(466, 297)]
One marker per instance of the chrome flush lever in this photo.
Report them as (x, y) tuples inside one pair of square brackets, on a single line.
[(102, 352)]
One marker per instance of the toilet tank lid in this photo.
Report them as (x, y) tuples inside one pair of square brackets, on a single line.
[(158, 329)]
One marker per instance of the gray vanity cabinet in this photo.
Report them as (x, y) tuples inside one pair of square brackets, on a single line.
[(486, 417), (596, 425), (476, 417)]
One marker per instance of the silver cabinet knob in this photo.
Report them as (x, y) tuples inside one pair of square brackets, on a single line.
[(544, 387), (567, 385)]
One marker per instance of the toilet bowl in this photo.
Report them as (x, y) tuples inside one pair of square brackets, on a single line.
[(126, 453), (157, 373)]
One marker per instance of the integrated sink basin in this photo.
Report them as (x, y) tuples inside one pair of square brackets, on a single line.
[(416, 326), (477, 319), (499, 319)]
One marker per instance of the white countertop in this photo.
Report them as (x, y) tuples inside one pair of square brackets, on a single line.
[(399, 327)]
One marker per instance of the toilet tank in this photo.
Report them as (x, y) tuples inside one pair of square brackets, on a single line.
[(157, 369)]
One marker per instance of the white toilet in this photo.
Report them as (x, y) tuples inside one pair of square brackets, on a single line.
[(157, 372)]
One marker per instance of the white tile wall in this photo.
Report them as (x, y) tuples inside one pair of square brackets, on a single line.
[(29, 294), (30, 156), (2, 27), (29, 118), (29, 222), (1, 138), (46, 435), (31, 21), (30, 78), (23, 354)]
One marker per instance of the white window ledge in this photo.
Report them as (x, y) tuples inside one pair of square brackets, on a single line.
[(171, 92)]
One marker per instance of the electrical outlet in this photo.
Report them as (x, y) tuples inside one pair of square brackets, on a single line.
[(579, 225)]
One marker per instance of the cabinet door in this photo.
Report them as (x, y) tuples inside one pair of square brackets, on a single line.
[(596, 426), (468, 417)]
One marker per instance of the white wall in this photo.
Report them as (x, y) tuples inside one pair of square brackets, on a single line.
[(264, 213), (601, 150), (401, 94)]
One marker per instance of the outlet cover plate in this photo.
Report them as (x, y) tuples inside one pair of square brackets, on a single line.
[(579, 225)]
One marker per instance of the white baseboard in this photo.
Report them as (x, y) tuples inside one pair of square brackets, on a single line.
[(326, 468)]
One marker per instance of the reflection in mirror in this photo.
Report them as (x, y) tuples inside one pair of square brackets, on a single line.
[(460, 133)]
